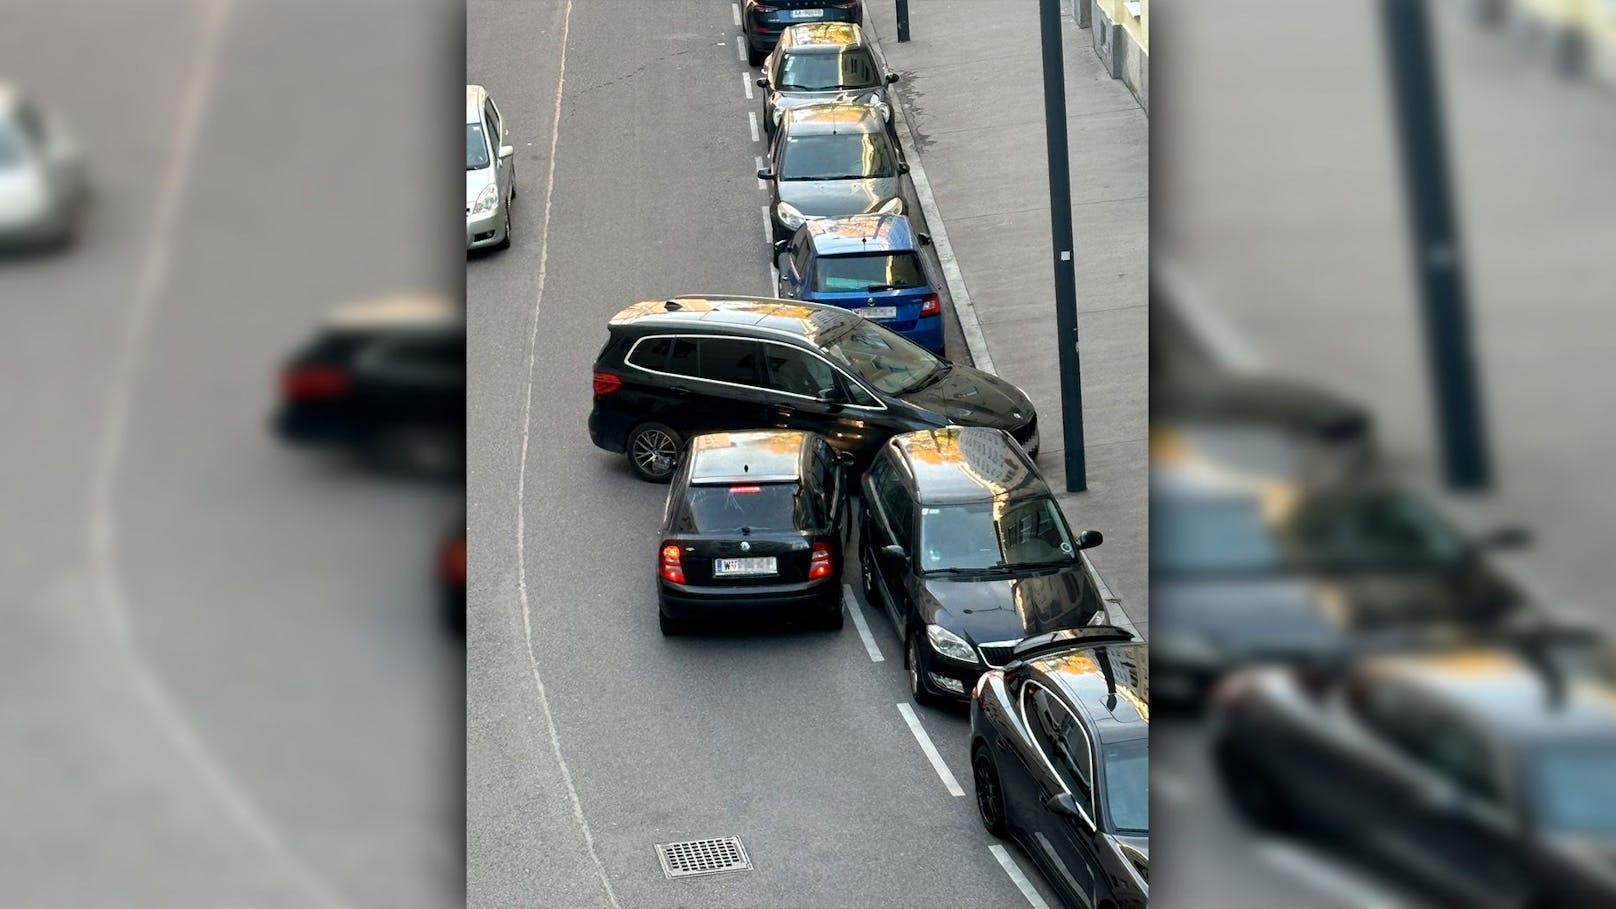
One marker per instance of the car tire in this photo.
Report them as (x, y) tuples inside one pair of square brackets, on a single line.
[(989, 792), (1255, 795), (505, 241), (755, 57), (917, 673), (833, 618), (653, 451)]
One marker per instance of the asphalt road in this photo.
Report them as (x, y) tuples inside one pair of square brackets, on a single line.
[(590, 737), (225, 681)]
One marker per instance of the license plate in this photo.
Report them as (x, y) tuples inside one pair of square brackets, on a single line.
[(879, 313), (755, 565), (807, 13)]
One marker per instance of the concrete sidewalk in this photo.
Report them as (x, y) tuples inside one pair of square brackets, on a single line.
[(972, 100)]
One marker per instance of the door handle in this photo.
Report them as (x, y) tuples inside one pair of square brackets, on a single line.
[(681, 389)]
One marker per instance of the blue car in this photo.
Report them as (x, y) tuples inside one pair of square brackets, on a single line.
[(870, 264)]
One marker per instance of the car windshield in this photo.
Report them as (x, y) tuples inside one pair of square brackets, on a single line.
[(836, 156), (1574, 788), (11, 146), (995, 535), (766, 508), (819, 71), (871, 271), (1201, 535), (1127, 786), (476, 147), (881, 357)]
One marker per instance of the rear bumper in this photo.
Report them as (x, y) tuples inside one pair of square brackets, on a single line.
[(683, 601), (302, 427), (607, 432)]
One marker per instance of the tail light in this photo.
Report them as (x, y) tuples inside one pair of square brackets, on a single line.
[(606, 383), (931, 306), (452, 563), (819, 563), (672, 571), (308, 383)]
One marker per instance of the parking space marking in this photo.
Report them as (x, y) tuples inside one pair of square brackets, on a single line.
[(746, 83), (936, 759), (1017, 876), (761, 184), (735, 9), (857, 612), (740, 49), (1325, 876), (751, 119)]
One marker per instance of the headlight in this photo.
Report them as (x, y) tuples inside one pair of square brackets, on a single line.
[(487, 200), (950, 644), (789, 216), (893, 206)]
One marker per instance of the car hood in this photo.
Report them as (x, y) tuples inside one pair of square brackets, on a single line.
[(784, 101), (475, 181), (834, 198), (1226, 621), (989, 609), (970, 397), (24, 194), (1593, 858)]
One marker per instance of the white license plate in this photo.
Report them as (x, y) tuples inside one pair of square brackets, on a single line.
[(756, 565), (807, 13), (878, 313)]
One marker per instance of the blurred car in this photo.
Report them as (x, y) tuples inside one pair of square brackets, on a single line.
[(490, 172), (1060, 757), (1484, 772), (451, 566), (964, 548), (870, 264), (44, 183), (674, 368), (828, 160), (754, 526), (825, 62), (1247, 570), (386, 379), (762, 21)]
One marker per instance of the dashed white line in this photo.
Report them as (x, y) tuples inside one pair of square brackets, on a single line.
[(746, 83), (857, 612), (740, 49), (936, 759), (1324, 876), (1017, 877), (768, 242), (735, 9), (751, 119)]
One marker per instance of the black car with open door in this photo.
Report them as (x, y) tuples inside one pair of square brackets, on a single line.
[(754, 529)]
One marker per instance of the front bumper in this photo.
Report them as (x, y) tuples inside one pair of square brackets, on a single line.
[(684, 601), (947, 677), (485, 229)]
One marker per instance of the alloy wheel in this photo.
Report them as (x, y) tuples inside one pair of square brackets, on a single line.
[(655, 452)]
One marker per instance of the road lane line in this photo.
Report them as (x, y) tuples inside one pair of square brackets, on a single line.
[(761, 183), (740, 49), (1327, 877), (746, 83), (735, 9), (751, 119), (1017, 877), (857, 612), (521, 478), (931, 751)]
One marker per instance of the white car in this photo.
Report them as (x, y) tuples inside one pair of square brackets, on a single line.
[(490, 173), (43, 183)]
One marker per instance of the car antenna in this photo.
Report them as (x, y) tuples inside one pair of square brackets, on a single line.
[(671, 306)]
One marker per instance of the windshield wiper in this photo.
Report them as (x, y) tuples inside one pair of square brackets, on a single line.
[(984, 569), (1036, 566), (931, 378)]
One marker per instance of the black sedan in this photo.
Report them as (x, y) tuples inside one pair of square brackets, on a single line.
[(762, 21), (754, 528), (1060, 755)]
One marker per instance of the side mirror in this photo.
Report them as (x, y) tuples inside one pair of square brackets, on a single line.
[(891, 78), (763, 82), (833, 396), (895, 552), (1063, 804), (505, 151), (923, 237), (780, 246), (903, 167), (765, 174), (1512, 537), (1089, 539)]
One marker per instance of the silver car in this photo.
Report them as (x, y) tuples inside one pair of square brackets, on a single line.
[(829, 160), (825, 61), (43, 182), (490, 173)]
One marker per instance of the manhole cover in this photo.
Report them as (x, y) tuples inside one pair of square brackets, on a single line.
[(694, 857)]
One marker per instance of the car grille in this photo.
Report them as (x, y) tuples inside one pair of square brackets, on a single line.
[(997, 653)]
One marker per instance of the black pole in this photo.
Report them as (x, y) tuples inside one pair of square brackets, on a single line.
[(1437, 259), (903, 21), (1060, 230)]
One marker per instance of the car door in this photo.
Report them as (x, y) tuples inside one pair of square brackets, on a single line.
[(891, 521), (496, 133), (1064, 764), (799, 382)]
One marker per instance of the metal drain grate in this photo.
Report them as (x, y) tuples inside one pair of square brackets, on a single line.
[(694, 857)]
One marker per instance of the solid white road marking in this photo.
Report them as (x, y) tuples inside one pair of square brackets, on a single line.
[(1017, 877), (1327, 877), (751, 119), (521, 478), (746, 83), (936, 759), (857, 612), (740, 50), (735, 9), (768, 242)]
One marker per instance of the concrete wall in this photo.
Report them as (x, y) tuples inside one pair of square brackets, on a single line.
[(1121, 40)]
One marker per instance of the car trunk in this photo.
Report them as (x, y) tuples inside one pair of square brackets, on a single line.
[(700, 553)]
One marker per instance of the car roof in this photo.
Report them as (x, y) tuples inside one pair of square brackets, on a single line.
[(860, 233), (1109, 682), (746, 316), (832, 117), (758, 456), (815, 36), (393, 312), (1501, 690), (954, 464), (475, 95)]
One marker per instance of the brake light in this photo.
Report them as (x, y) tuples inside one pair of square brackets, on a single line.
[(931, 306), (819, 563), (745, 490), (672, 571), (606, 383), (305, 383), (452, 563)]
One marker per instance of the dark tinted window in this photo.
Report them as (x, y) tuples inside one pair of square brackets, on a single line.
[(796, 371), (1062, 741), (768, 507), (874, 271), (729, 360), (683, 357), (651, 353), (493, 121)]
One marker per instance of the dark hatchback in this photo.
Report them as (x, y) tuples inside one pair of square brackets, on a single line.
[(385, 379), (964, 548), (671, 369), (1060, 755), (762, 21), (754, 528)]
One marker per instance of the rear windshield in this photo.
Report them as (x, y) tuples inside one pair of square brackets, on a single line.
[(764, 508), (821, 71), (832, 156), (869, 272)]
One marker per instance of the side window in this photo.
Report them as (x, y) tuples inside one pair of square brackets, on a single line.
[(495, 136), (797, 372), (857, 394), (652, 353), (1454, 751), (858, 68), (1062, 740), (729, 360), (800, 257), (684, 357)]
